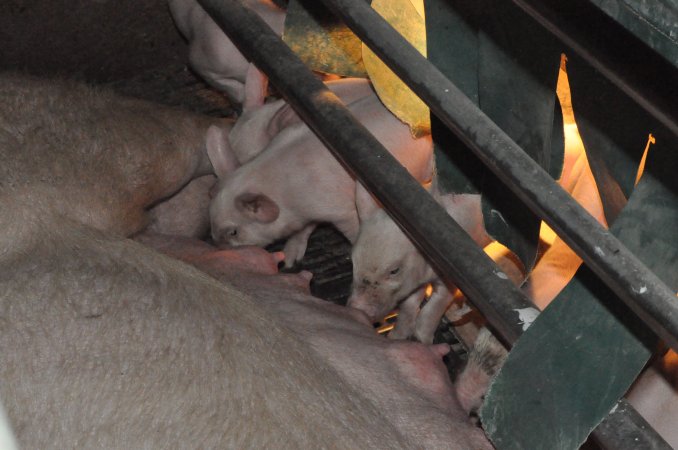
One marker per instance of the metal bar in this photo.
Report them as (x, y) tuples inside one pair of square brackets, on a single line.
[(436, 233), (449, 247), (607, 257), (624, 428), (640, 289), (622, 58)]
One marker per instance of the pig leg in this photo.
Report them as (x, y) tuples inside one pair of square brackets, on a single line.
[(295, 247), (431, 313), (209, 258), (256, 85), (485, 359), (407, 315)]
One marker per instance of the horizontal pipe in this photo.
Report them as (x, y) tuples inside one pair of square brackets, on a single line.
[(624, 428)]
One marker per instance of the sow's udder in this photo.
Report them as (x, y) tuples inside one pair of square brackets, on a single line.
[(389, 373)]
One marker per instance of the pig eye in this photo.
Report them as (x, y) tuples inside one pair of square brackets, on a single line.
[(395, 271), (232, 232)]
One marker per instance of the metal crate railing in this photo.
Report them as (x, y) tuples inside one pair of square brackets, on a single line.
[(447, 246)]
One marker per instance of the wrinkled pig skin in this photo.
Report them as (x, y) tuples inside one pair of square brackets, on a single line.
[(72, 150), (405, 380), (389, 270), (295, 183), (108, 344), (215, 58)]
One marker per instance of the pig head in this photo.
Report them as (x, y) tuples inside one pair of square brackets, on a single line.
[(295, 182), (388, 270), (215, 58)]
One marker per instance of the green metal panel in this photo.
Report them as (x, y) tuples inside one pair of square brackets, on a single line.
[(583, 352), (655, 22), (614, 131), (487, 48)]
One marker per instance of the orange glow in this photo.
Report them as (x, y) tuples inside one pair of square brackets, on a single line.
[(429, 290), (575, 163), (385, 328), (392, 315), (496, 250), (563, 92), (650, 140)]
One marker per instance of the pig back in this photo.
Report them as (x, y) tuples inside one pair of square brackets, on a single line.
[(91, 155), (106, 344)]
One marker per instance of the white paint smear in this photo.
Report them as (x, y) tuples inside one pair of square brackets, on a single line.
[(527, 316)]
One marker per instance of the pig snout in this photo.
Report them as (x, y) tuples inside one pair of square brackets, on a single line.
[(361, 300), (224, 237)]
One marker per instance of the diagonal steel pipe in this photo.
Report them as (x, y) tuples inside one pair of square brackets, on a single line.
[(642, 291), (448, 247)]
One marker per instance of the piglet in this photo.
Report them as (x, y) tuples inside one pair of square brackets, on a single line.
[(215, 58), (296, 183), (389, 271), (259, 124)]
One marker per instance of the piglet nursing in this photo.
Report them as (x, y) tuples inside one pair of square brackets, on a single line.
[(107, 343), (388, 270), (111, 345), (296, 183), (405, 380)]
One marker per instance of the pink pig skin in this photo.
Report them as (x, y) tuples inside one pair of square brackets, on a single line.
[(388, 373), (388, 270), (90, 156), (655, 396), (214, 57), (109, 344), (296, 183)]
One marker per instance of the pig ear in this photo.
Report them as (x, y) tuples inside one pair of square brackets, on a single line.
[(284, 117), (256, 86), (258, 207), (364, 202), (219, 151)]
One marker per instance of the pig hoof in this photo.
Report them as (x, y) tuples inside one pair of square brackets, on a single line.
[(295, 247)]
